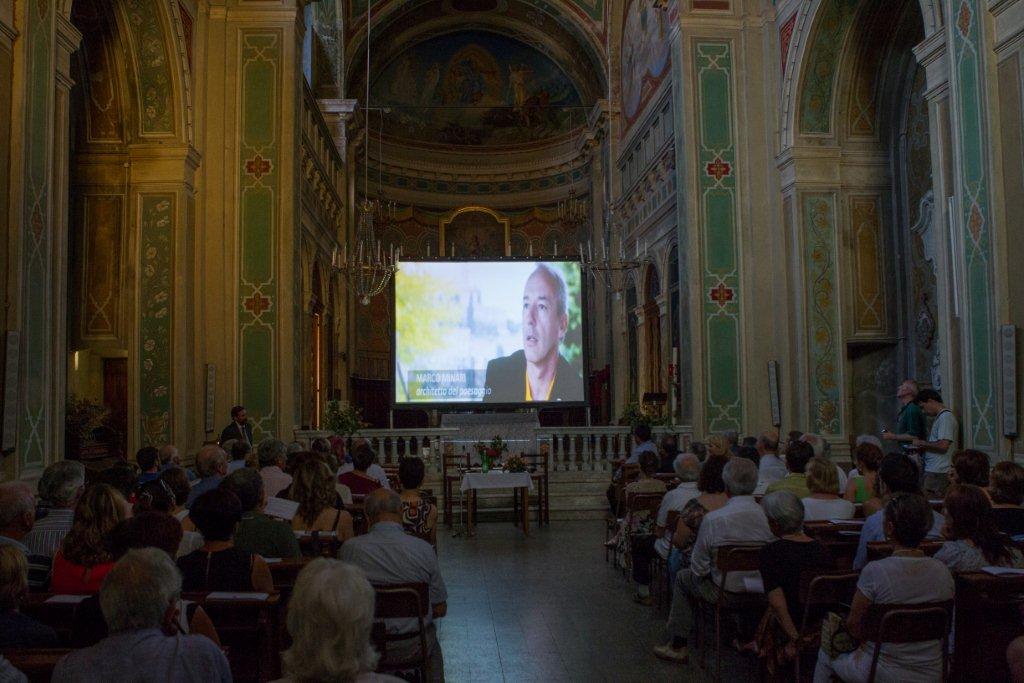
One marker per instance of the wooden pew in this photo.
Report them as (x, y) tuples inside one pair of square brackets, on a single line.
[(987, 617), (36, 663), (839, 539), (250, 629)]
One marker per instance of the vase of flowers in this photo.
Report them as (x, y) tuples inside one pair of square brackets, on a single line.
[(490, 454), (515, 463)]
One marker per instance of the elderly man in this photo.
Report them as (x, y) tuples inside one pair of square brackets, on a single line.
[(272, 455), (140, 603), (257, 533), (389, 555), (770, 468), (212, 465), (17, 517), (60, 487), (910, 422), (687, 469), (739, 522)]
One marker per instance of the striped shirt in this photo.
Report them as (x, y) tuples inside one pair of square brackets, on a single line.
[(48, 533), (38, 566)]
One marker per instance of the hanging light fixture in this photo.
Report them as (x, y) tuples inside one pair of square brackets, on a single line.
[(369, 267), (573, 211)]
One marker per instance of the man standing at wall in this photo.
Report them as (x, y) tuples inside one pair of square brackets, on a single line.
[(937, 451)]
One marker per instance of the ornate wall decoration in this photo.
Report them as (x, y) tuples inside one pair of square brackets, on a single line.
[(823, 332), (646, 51), (99, 73), (832, 22), (479, 232), (869, 306), (474, 88), (468, 187), (156, 316), (152, 68), (715, 5), (36, 297), (717, 173), (974, 205), (259, 201), (785, 39), (100, 292)]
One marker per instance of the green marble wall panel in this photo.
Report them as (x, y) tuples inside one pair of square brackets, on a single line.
[(975, 218), (152, 66), (716, 172), (36, 236), (824, 352), (258, 210), (156, 315)]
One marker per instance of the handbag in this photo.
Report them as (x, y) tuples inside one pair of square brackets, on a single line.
[(836, 639)]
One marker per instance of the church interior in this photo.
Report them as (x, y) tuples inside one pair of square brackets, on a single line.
[(775, 214)]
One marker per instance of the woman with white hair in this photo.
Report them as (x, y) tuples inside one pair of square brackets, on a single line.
[(782, 563), (330, 617)]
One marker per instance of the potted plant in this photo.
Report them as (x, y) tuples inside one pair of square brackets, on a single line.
[(344, 419), (83, 418)]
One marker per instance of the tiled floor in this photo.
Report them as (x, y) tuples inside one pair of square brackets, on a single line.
[(548, 608)]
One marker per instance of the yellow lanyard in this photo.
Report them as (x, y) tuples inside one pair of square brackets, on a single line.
[(529, 392)]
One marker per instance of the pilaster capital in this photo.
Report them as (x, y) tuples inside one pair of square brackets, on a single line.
[(933, 54)]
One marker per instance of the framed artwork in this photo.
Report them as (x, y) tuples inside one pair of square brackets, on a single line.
[(475, 232)]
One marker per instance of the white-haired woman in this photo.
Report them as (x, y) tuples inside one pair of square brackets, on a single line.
[(330, 616), (782, 563)]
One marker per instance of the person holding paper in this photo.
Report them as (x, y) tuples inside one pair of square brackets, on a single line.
[(537, 372)]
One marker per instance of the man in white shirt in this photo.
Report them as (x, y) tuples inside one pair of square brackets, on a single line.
[(687, 468), (937, 451), (641, 443), (771, 468), (740, 522), (272, 455), (60, 488)]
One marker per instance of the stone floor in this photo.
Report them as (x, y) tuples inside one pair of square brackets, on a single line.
[(548, 608)]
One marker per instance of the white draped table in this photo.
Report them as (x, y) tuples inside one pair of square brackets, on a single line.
[(521, 484)]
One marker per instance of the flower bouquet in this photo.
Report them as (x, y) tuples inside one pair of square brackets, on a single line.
[(490, 454), (515, 463)]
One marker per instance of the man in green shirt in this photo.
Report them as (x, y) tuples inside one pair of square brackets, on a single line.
[(910, 422), (258, 533), (797, 456)]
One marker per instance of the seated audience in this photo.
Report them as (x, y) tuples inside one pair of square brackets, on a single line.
[(330, 622), (319, 506), (969, 467), (84, 558), (148, 460), (1006, 490), (419, 516), (646, 481), (861, 488), (145, 530), (239, 451), (272, 455), (824, 502), (897, 474), (140, 603), (667, 452), (389, 555), (712, 497), (60, 487), (770, 467), (797, 457), (16, 629), (155, 495), (17, 518), (972, 538), (123, 477), (823, 449), (256, 532), (638, 523), (212, 465), (782, 564), (718, 445), (374, 470), (169, 457), (748, 453), (323, 448), (741, 521), (177, 481), (358, 479), (687, 469), (908, 576), (219, 565)]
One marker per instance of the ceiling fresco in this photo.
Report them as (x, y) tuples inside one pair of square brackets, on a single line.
[(475, 88)]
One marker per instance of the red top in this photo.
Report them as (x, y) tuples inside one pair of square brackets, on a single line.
[(69, 578), (359, 485)]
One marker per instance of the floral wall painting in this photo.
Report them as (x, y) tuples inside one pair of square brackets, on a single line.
[(645, 53), (475, 88)]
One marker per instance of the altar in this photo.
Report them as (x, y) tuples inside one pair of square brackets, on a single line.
[(518, 430)]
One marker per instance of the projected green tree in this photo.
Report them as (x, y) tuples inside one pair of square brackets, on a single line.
[(423, 314), (572, 345)]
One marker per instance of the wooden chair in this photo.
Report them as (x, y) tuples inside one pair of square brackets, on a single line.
[(819, 594), (881, 549), (36, 663), (897, 624), (839, 540), (402, 601), (450, 465), (58, 616), (731, 559), (539, 465), (319, 543), (987, 620), (284, 574), (249, 628), (661, 591)]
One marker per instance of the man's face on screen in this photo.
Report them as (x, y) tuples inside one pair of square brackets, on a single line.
[(543, 323)]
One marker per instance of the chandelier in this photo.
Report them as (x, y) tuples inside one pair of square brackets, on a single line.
[(573, 213), (370, 266)]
